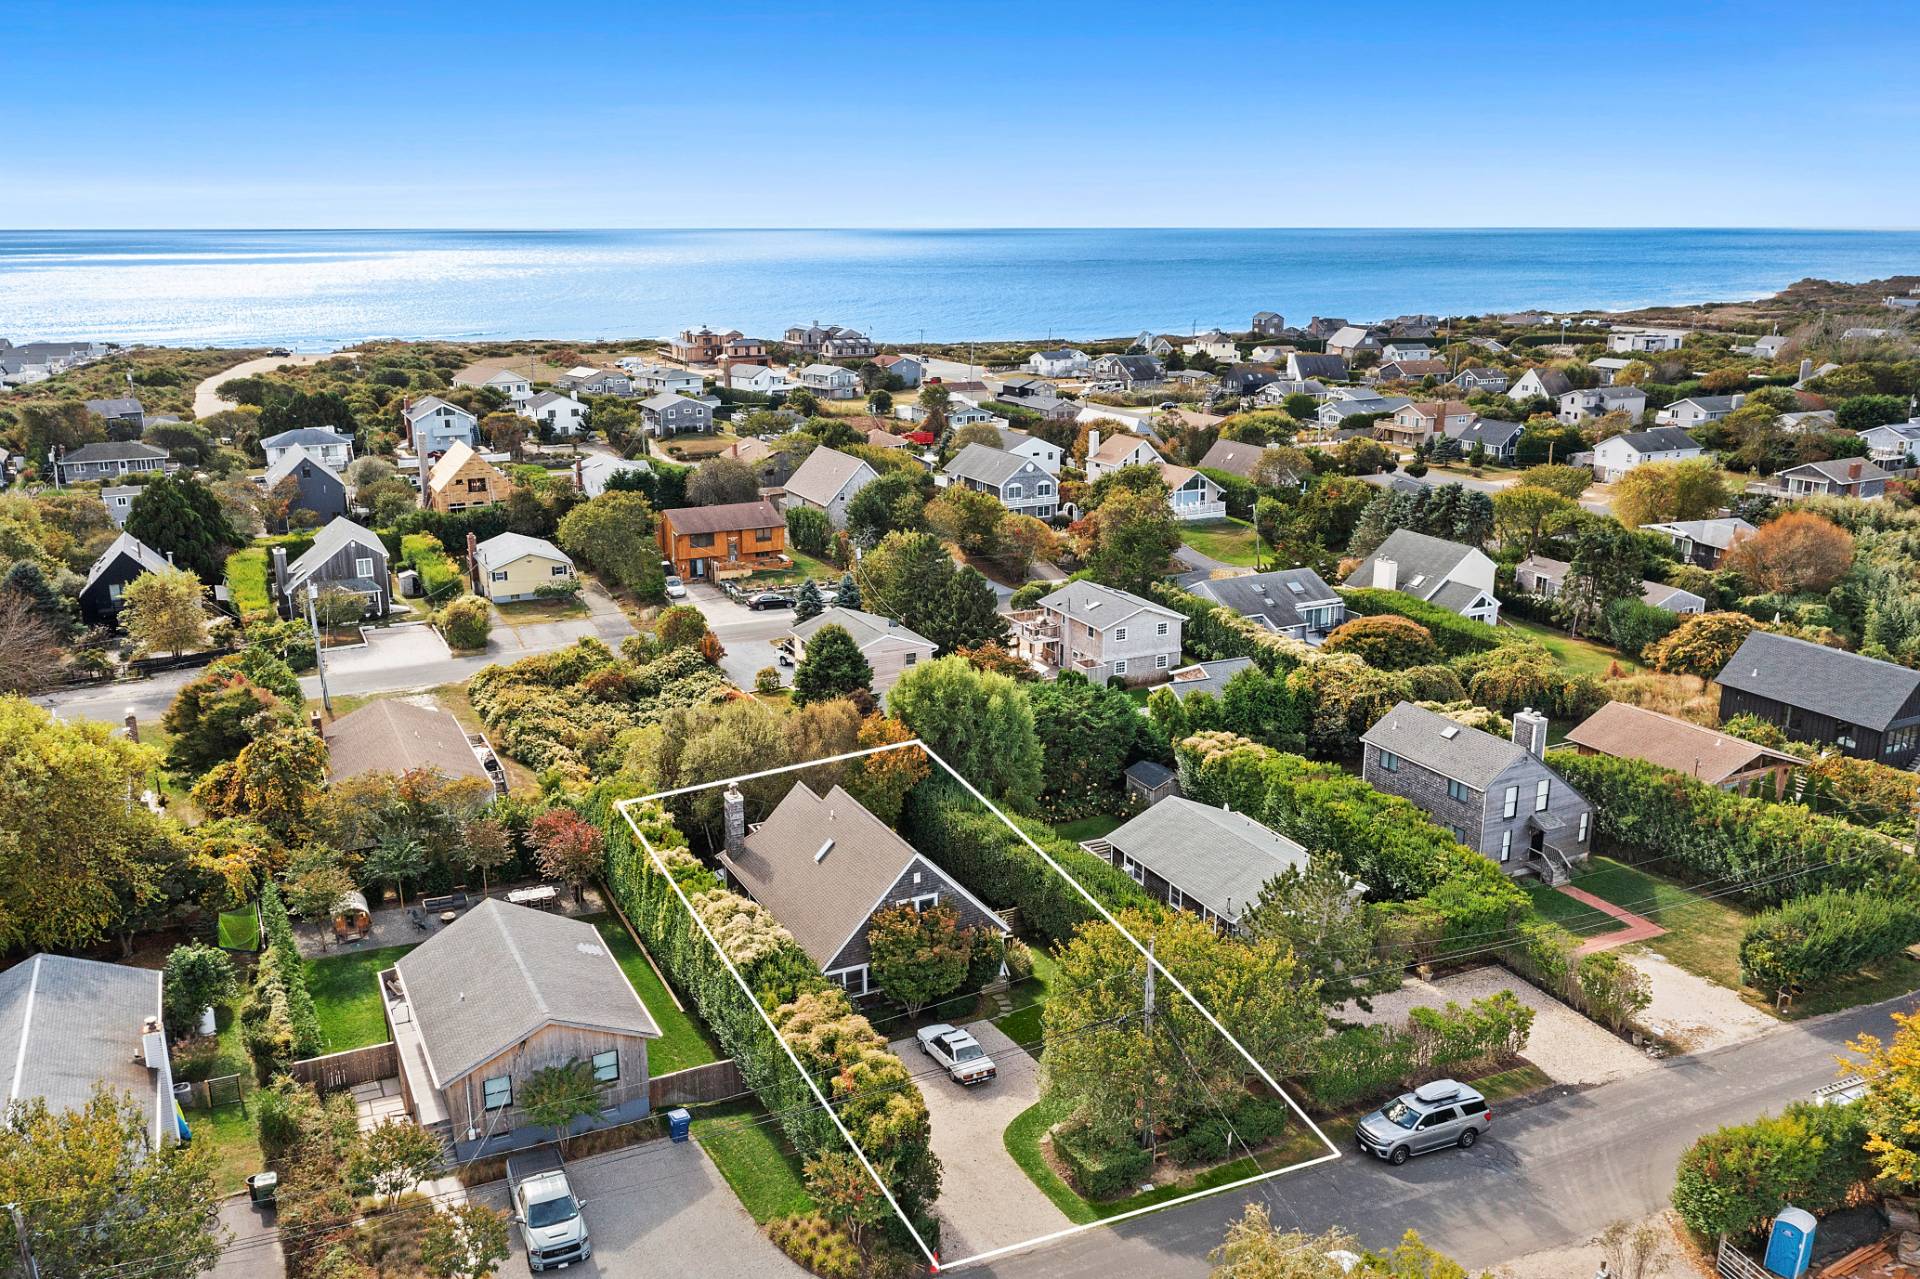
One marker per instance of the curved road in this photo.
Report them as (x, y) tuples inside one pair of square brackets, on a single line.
[(207, 402), (1553, 1172)]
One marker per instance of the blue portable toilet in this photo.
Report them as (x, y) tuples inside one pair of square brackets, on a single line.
[(1790, 1246), (679, 1124)]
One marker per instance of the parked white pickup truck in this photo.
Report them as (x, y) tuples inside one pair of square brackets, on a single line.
[(551, 1227), (966, 1062)]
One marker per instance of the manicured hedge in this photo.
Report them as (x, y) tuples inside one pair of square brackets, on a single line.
[(974, 846), (1369, 1063), (1734, 1181), (1771, 851), (423, 553), (1456, 635), (278, 1023), (247, 580), (1824, 935), (1239, 492)]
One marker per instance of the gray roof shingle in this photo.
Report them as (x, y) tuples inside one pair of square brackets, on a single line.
[(391, 736), (1270, 597), (1424, 561), (987, 465), (1218, 858), (1827, 681), (67, 1025), (824, 474), (1437, 743)]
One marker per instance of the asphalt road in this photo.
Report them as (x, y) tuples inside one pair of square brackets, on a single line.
[(1551, 1173)]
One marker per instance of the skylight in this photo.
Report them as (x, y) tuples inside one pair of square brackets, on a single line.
[(1296, 588), (822, 854), (1450, 732), (1417, 579)]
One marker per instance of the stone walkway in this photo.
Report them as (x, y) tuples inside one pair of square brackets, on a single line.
[(1635, 927), (378, 1102)]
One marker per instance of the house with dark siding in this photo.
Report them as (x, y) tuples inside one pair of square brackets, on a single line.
[(825, 866), (317, 488), (1865, 708), (343, 557), (125, 559), (1498, 797)]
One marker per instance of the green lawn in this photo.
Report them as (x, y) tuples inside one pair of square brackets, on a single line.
[(1231, 541), (1582, 657), (247, 580), (1089, 827), (229, 1131), (804, 567), (748, 1149), (1556, 907), (1022, 1024), (1703, 936), (683, 1041), (240, 929), (346, 995)]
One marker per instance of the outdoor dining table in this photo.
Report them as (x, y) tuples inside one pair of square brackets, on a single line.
[(539, 897)]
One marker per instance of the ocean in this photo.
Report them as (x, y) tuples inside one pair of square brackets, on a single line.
[(320, 289)]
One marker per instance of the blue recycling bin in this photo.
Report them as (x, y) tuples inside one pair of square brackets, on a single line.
[(679, 1124), (1790, 1246)]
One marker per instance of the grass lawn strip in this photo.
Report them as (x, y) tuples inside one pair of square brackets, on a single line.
[(683, 1041), (746, 1146), (1230, 541), (1579, 656), (1022, 1024), (346, 996), (1703, 935), (229, 1130)]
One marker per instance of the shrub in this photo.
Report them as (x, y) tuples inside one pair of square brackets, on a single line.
[(291, 641), (766, 680), (1453, 633), (809, 530), (1387, 642), (1365, 1063), (1825, 935), (816, 1244), (1635, 627), (1735, 1180), (466, 622), (422, 553), (1612, 991), (1101, 1169)]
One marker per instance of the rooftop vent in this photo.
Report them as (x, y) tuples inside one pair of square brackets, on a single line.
[(1450, 732)]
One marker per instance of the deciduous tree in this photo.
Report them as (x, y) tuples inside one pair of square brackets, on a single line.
[(1658, 492), (1128, 540), (1798, 552), (197, 977), (919, 955), (566, 847), (392, 1158), (613, 534), (464, 1241), (1701, 645), (721, 480), (1386, 642), (164, 612), (981, 724), (554, 1096)]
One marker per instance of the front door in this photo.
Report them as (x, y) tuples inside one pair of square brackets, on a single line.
[(1535, 840)]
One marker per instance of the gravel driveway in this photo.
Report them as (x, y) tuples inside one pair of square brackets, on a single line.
[(1566, 1046), (1692, 1013), (986, 1201)]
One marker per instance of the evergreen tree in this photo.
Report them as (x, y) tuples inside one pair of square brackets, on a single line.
[(833, 667), (809, 604), (849, 596), (28, 580), (960, 611), (177, 515)]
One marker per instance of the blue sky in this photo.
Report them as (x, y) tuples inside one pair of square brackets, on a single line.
[(127, 114)]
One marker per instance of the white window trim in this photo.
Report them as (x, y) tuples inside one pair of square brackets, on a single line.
[(1134, 870), (920, 901), (1585, 819), (1540, 794), (1120, 666), (840, 976), (1506, 844), (1120, 634), (1176, 898), (1512, 807)]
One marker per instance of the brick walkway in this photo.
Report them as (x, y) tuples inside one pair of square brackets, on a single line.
[(1634, 927)]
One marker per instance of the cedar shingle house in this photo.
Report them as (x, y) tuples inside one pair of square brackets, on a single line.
[(824, 866), (1291, 601), (125, 559), (827, 481), (1498, 797), (1211, 861), (1099, 632), (344, 557), (110, 460), (1716, 758), (498, 995), (1456, 577), (1869, 709)]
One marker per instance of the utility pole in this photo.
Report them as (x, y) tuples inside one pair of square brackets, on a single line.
[(1146, 1135), (28, 1265), (319, 648)]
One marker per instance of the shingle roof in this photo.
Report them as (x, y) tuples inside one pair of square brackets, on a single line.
[(508, 547), (1826, 681), (666, 400), (545, 398), (1205, 677), (284, 465), (339, 532), (1424, 561), (1659, 439), (420, 408), (1491, 432), (68, 1024), (117, 406), (458, 454), (1119, 445), (1100, 606), (127, 544), (1150, 774), (314, 436), (1437, 743), (1302, 364), (392, 736), (1715, 533), (1274, 596), (865, 628), (1218, 858), (1629, 732), (1840, 470), (499, 973), (726, 517), (824, 474), (112, 451), (985, 464), (1232, 457), (822, 900)]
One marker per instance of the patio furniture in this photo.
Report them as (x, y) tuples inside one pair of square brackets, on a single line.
[(539, 897), (448, 916), (419, 918)]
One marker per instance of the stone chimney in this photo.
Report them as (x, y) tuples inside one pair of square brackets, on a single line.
[(1853, 470), (1386, 574), (733, 811), (1530, 732), (579, 475), (317, 724)]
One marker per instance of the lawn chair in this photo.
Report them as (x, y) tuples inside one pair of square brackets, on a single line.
[(419, 918)]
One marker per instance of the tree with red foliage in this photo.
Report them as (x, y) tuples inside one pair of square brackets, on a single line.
[(566, 847)]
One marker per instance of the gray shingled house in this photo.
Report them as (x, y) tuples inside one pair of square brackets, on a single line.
[(824, 866), (1868, 709), (1457, 577), (110, 460), (315, 487), (68, 1026), (1022, 484), (1291, 601), (827, 481), (344, 556), (1497, 797), (1192, 856), (498, 995)]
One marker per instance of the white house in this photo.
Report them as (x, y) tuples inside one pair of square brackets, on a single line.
[(1214, 344), (517, 387), (1457, 577), (1698, 411), (890, 648), (1121, 449), (758, 378), (830, 382), (1577, 406), (1614, 457), (1897, 444), (1192, 495), (322, 443), (827, 481), (666, 379), (1646, 340), (1540, 383), (1349, 342), (1047, 456), (1395, 352), (1060, 362), (558, 412)]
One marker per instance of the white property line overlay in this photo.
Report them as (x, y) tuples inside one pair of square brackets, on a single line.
[(933, 1259)]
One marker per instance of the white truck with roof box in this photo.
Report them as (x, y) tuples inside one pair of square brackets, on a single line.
[(545, 1210)]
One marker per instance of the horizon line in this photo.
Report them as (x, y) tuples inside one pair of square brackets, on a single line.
[(956, 228)]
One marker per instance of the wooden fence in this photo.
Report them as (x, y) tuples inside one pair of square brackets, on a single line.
[(345, 1069), (715, 1081)]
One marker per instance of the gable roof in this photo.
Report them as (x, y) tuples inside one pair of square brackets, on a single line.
[(1215, 856), (339, 533), (1553, 382), (1117, 447), (822, 900), (1659, 439), (866, 628), (1491, 432), (508, 547), (1232, 457), (1101, 607), (1827, 681), (1715, 533), (314, 436), (294, 456), (1424, 560), (825, 474), (545, 398), (393, 736), (420, 408), (68, 1024), (984, 464), (499, 973), (1443, 746), (458, 454), (1273, 596), (1308, 364), (116, 406), (139, 552), (1840, 470), (1630, 732), (726, 517)]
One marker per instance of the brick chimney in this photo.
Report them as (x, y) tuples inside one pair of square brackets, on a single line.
[(317, 724), (1530, 732), (1386, 574), (733, 811), (1853, 470), (579, 474)]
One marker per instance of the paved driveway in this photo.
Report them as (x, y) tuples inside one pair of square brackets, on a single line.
[(390, 648), (986, 1201), (658, 1209), (253, 1251)]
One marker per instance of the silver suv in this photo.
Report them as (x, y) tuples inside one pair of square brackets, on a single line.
[(1442, 1113)]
